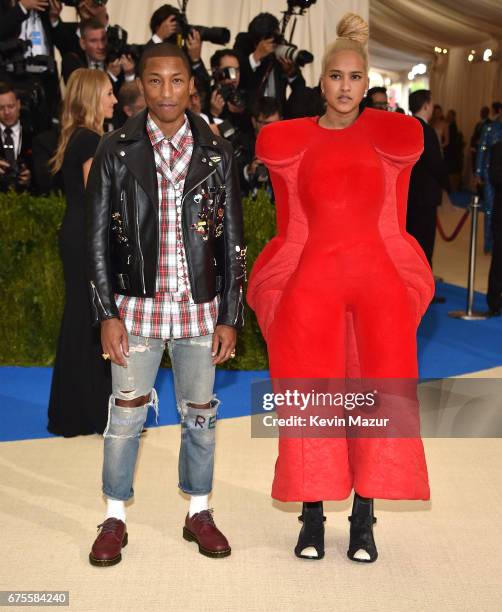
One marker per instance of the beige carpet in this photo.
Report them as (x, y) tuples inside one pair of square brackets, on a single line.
[(443, 555), (438, 555)]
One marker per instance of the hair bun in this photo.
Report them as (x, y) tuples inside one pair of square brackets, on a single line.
[(353, 27)]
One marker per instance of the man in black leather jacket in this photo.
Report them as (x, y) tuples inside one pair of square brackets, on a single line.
[(166, 263)]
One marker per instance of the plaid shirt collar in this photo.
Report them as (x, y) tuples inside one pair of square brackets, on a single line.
[(179, 141)]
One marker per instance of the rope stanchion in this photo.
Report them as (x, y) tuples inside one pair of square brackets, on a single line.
[(455, 232), (469, 314)]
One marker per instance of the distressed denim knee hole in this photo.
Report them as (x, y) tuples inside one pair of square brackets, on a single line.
[(124, 422), (198, 418)]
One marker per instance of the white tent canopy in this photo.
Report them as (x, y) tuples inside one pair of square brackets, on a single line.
[(401, 30), (418, 26)]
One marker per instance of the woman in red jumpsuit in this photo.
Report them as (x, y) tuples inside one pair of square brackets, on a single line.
[(340, 290)]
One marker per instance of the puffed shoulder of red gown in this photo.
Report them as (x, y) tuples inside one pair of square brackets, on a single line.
[(398, 140), (392, 134)]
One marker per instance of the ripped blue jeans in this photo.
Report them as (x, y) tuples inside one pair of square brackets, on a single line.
[(193, 373)]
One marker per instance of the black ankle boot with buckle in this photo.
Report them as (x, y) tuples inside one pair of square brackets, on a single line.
[(312, 531), (362, 520)]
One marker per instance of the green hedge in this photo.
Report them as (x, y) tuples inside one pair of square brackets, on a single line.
[(31, 279)]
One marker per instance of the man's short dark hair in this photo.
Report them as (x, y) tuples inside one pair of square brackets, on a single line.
[(496, 107), (375, 90), (163, 50), (262, 26), (128, 94), (160, 15), (6, 88), (418, 99), (265, 106), (219, 55), (90, 24)]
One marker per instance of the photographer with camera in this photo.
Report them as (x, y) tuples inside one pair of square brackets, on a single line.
[(15, 143), (94, 53), (169, 24), (268, 63), (227, 101), (227, 105), (67, 34), (255, 174), (27, 39)]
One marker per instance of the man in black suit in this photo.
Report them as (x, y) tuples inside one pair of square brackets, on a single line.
[(428, 178), (34, 20), (68, 32), (262, 73), (15, 143), (93, 53)]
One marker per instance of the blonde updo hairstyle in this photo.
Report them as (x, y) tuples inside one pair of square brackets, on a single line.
[(352, 35)]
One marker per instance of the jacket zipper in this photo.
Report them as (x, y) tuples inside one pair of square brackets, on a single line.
[(96, 294), (195, 186), (139, 246), (239, 301), (183, 227), (124, 210)]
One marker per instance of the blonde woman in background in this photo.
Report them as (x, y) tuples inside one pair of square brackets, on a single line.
[(81, 382)]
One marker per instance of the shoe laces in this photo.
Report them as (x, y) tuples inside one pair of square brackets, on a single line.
[(108, 526), (206, 516)]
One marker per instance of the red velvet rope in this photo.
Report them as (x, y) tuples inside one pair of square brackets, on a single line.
[(455, 231)]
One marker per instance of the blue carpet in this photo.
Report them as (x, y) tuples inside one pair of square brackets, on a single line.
[(446, 347)]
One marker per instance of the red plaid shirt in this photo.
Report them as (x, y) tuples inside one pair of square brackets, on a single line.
[(172, 313)]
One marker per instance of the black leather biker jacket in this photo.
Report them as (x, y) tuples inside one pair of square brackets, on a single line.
[(122, 221)]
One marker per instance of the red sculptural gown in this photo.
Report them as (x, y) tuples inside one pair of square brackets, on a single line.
[(340, 291)]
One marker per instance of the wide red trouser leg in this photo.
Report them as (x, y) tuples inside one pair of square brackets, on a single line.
[(379, 322), (392, 467), (309, 469)]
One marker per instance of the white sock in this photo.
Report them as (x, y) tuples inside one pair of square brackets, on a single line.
[(197, 504), (115, 508)]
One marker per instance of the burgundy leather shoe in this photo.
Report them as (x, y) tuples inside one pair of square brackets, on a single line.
[(200, 528), (110, 541)]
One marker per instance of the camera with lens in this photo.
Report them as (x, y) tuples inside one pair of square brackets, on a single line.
[(303, 5), (232, 134), (217, 36), (261, 174), (10, 177), (288, 51), (11, 173), (13, 58), (228, 91), (117, 45), (265, 30)]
